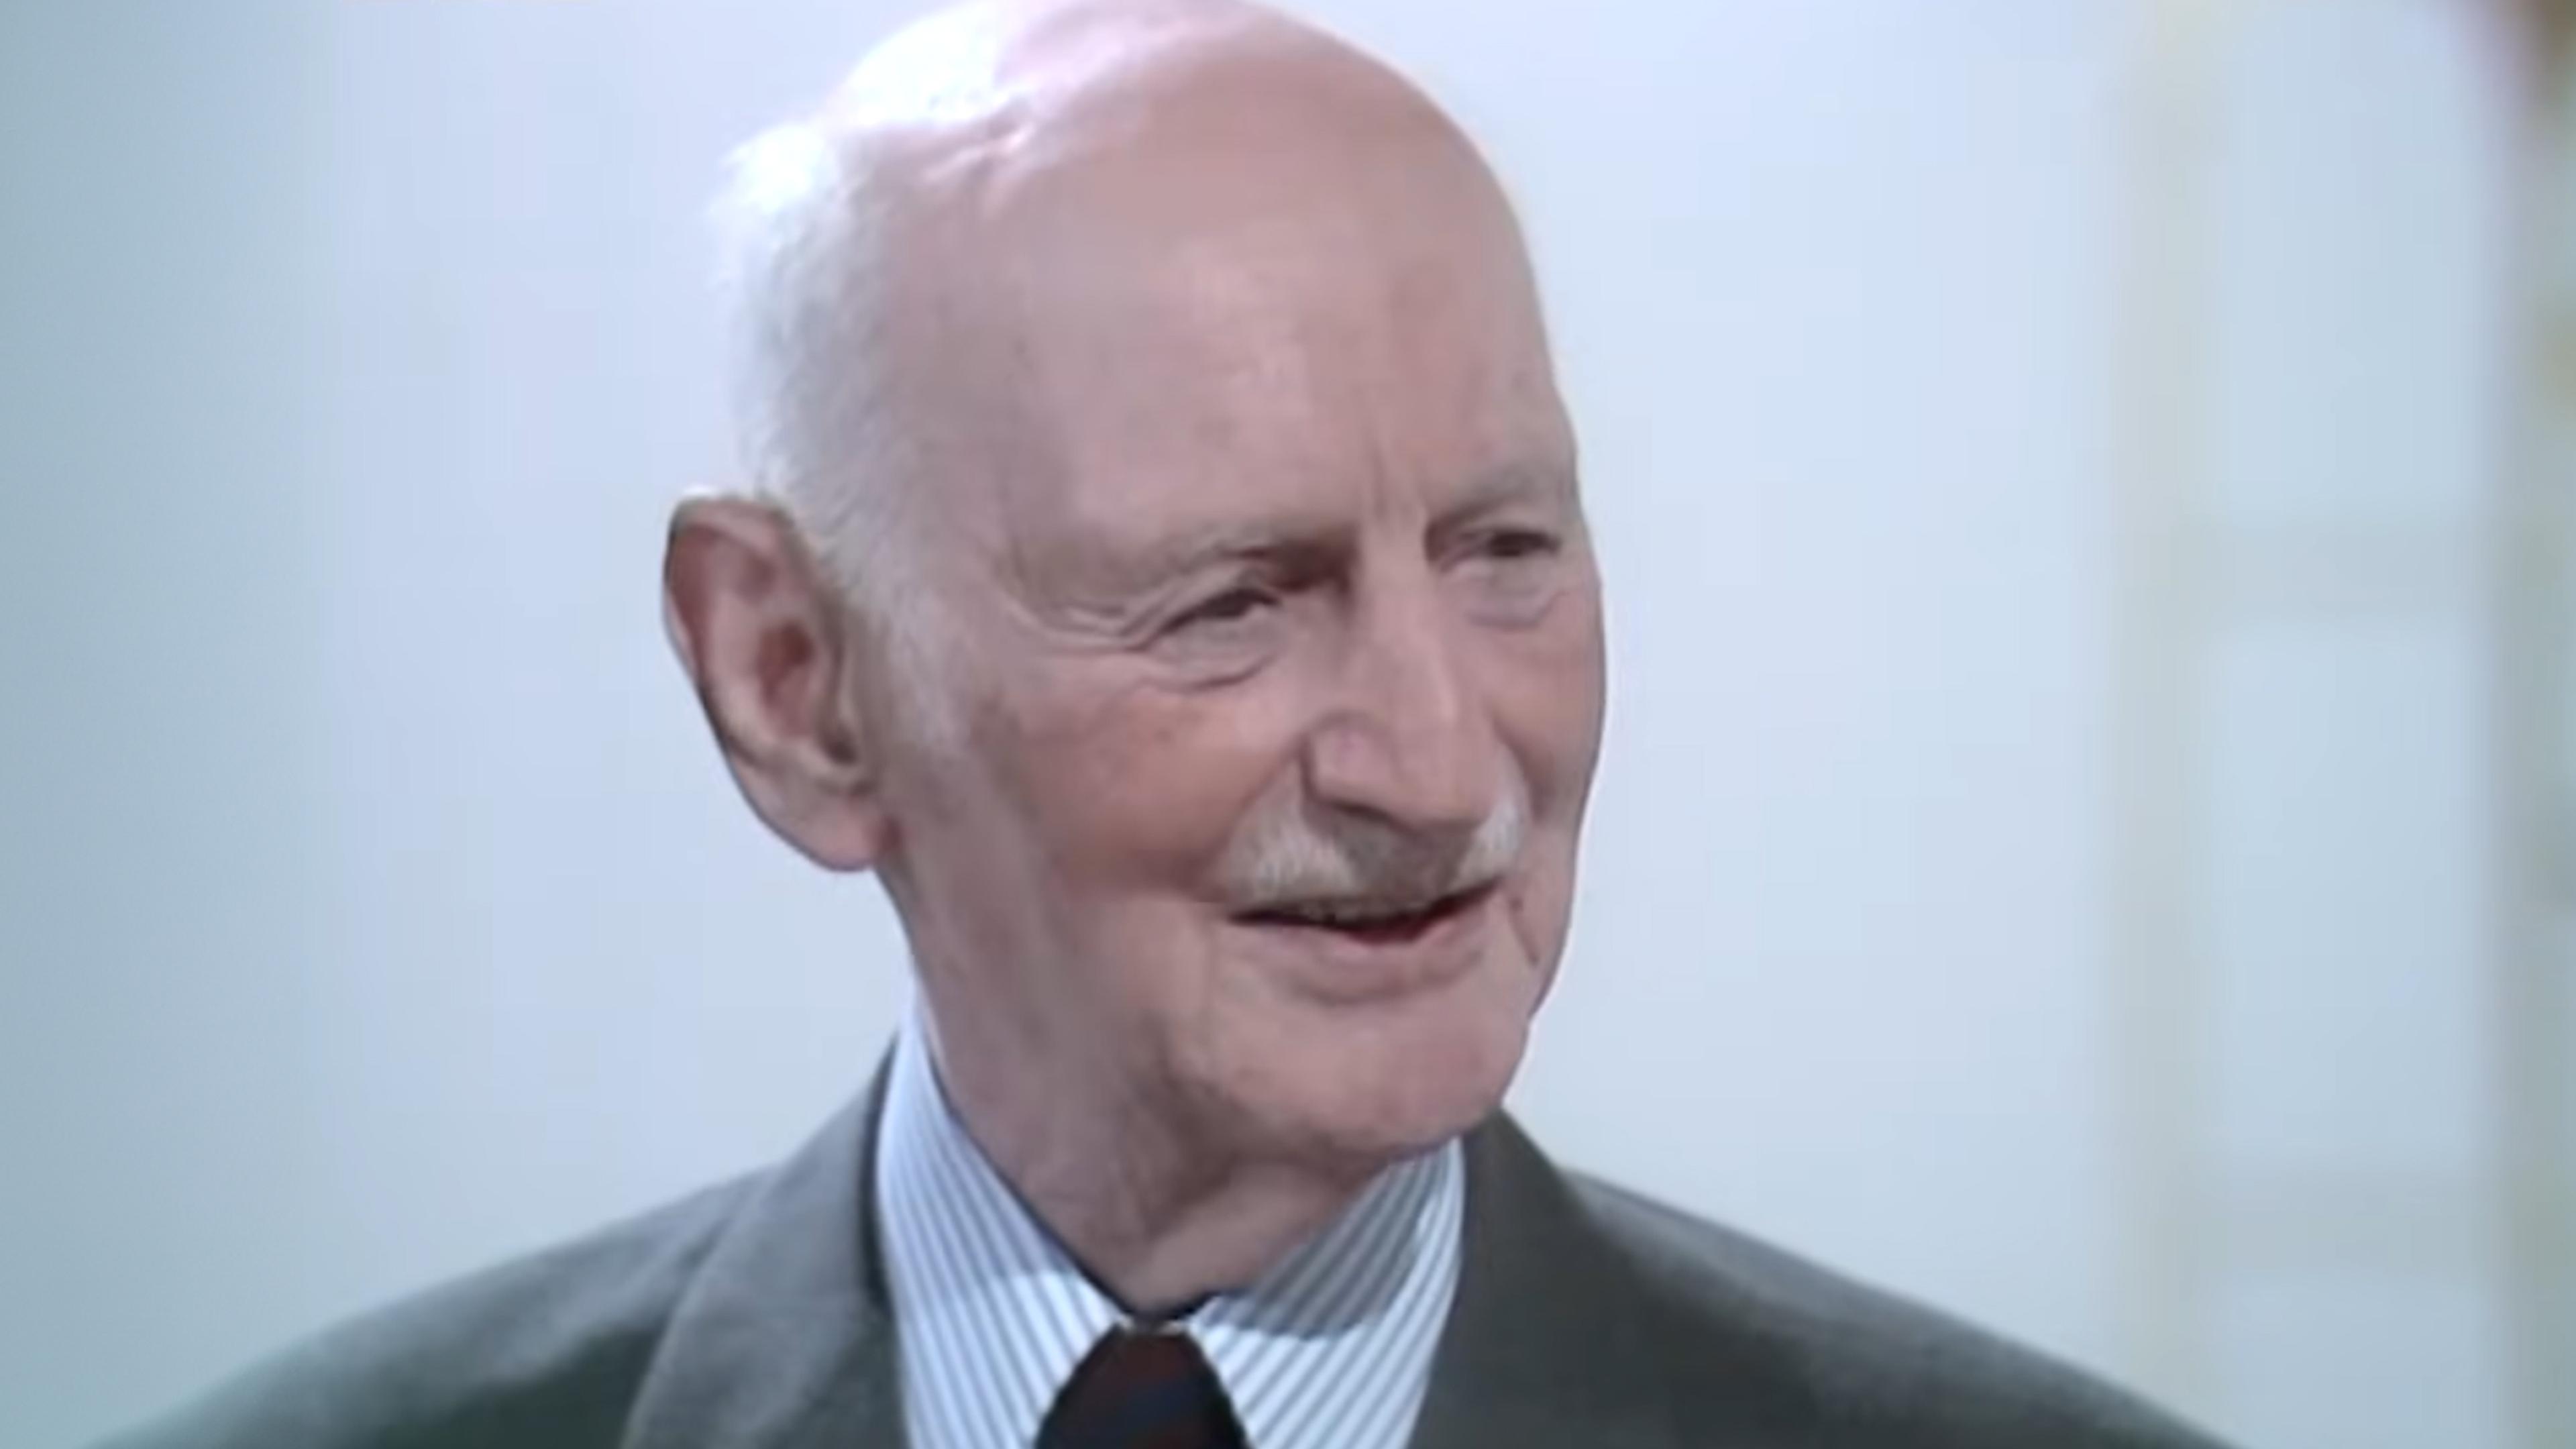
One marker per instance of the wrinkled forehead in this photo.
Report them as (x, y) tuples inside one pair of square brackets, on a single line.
[(1272, 322)]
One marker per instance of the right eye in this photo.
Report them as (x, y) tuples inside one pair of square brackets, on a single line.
[(1226, 636), (1225, 608)]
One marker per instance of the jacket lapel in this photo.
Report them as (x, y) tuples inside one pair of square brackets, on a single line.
[(1561, 1336), (786, 1339)]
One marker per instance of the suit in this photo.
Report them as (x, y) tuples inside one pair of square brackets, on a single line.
[(754, 1315)]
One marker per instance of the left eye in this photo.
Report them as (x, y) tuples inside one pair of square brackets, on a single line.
[(1514, 543)]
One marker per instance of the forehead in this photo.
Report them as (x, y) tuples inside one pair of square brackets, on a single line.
[(1185, 344)]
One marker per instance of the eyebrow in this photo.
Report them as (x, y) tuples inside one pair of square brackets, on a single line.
[(1284, 536)]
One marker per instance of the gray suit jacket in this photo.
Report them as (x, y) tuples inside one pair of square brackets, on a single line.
[(754, 1316)]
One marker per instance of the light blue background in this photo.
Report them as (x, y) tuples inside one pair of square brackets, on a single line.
[(372, 904)]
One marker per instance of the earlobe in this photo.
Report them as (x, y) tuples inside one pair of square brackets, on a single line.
[(760, 634)]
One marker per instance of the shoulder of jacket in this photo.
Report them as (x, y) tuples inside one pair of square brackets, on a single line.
[(546, 1349), (1878, 1368)]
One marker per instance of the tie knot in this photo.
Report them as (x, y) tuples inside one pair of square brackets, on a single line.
[(1142, 1389)]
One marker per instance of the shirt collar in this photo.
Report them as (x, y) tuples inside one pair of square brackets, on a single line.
[(1330, 1349)]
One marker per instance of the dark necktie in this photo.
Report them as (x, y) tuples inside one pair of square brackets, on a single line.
[(1148, 1389)]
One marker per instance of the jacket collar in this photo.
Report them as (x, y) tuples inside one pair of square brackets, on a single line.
[(785, 1338), (1563, 1334)]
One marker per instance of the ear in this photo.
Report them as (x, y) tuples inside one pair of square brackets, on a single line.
[(761, 635)]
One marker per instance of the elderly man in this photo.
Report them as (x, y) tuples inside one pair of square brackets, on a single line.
[(1164, 568)]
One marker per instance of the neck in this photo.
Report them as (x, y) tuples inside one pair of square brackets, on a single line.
[(1154, 1212)]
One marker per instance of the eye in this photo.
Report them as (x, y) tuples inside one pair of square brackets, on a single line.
[(1225, 608), (1511, 574), (1226, 636), (1518, 543)]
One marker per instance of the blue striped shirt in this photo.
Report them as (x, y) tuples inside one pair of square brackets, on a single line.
[(1329, 1350)]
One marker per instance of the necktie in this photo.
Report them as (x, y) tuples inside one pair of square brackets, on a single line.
[(1149, 1389)]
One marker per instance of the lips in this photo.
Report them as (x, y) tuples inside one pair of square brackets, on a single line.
[(1370, 922)]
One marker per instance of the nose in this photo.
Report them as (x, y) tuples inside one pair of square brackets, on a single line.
[(1407, 738)]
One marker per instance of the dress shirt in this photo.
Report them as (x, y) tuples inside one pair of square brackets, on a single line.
[(1330, 1349)]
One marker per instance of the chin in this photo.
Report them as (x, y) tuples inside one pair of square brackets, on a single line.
[(1361, 1085)]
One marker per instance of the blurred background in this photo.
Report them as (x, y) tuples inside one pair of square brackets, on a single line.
[(2085, 835)]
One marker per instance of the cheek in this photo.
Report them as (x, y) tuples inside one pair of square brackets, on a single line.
[(1137, 787), (1542, 900), (1549, 705)]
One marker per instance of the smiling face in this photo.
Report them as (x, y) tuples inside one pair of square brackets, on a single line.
[(1270, 620)]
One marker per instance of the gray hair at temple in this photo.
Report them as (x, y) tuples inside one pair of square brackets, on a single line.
[(803, 262)]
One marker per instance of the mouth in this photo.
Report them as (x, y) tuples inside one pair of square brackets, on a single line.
[(1371, 923)]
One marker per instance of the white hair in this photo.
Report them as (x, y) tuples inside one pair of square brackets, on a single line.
[(804, 274)]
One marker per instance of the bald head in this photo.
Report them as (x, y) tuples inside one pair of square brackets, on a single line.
[(1001, 167)]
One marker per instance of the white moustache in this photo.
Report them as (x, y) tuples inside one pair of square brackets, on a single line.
[(1349, 860)]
